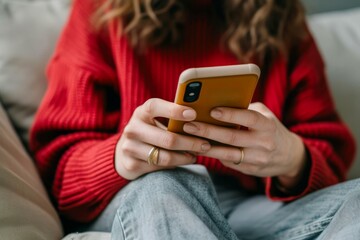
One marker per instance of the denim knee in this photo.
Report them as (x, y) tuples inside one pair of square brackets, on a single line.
[(178, 203), (177, 182)]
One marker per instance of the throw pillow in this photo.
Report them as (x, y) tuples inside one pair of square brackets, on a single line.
[(338, 37), (28, 33)]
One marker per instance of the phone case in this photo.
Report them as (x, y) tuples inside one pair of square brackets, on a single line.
[(223, 86)]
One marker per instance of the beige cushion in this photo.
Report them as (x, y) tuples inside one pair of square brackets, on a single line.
[(338, 37), (28, 33), (25, 210)]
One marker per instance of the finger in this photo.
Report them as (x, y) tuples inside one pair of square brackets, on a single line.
[(246, 168), (164, 139), (243, 117), (261, 108), (227, 154), (230, 157), (160, 125), (156, 107), (166, 158), (254, 162), (133, 168), (253, 156), (233, 137)]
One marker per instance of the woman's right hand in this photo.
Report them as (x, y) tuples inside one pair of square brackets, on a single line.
[(142, 133)]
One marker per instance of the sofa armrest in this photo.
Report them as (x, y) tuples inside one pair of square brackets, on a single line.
[(26, 211)]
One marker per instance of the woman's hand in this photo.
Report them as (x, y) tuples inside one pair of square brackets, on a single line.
[(269, 148), (142, 133)]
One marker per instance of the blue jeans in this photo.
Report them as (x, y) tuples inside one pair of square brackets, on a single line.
[(186, 203)]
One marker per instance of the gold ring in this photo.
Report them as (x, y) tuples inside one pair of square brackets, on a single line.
[(153, 156), (241, 158)]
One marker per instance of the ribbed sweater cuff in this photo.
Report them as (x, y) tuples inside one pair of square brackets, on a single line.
[(318, 177), (91, 180)]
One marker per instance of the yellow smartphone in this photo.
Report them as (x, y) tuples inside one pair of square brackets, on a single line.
[(203, 89)]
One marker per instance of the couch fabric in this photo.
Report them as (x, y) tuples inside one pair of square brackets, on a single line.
[(317, 6), (338, 37), (28, 32), (26, 211)]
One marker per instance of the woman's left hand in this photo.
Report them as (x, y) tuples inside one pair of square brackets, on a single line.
[(269, 148)]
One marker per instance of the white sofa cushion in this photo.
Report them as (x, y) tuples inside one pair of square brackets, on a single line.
[(28, 33), (25, 209), (316, 6), (338, 37)]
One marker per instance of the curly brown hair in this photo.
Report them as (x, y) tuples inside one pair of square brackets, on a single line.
[(254, 29)]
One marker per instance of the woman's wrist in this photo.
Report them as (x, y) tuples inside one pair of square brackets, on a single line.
[(295, 180)]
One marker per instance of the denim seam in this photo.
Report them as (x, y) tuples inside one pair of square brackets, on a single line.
[(122, 226), (301, 232), (123, 198)]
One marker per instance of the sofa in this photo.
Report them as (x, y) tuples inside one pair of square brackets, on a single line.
[(28, 33)]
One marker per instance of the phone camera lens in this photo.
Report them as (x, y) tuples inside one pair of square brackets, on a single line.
[(192, 92), (195, 84)]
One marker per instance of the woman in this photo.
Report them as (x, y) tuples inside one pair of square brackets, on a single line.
[(115, 72)]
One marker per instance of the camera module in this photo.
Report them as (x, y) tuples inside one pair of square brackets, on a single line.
[(192, 92)]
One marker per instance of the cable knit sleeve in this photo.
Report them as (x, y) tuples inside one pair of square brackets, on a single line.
[(76, 128), (310, 112)]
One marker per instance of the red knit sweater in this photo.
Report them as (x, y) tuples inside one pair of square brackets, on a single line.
[(96, 80)]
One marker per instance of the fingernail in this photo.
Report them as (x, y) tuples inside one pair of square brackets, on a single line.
[(205, 147), (189, 114), (190, 128), (216, 113)]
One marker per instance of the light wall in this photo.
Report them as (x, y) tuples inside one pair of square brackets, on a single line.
[(315, 6)]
